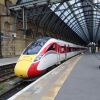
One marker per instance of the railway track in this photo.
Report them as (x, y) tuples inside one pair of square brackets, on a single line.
[(6, 75), (16, 88), (6, 72), (6, 69), (9, 83), (9, 66), (3, 79)]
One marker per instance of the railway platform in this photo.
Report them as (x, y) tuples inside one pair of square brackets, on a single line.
[(6, 61), (84, 81), (75, 79)]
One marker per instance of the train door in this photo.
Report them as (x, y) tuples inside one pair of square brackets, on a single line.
[(65, 49), (63, 54), (68, 51), (58, 55)]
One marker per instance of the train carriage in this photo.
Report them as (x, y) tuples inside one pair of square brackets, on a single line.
[(42, 54)]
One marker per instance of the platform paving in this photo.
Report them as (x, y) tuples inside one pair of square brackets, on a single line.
[(84, 81), (5, 61)]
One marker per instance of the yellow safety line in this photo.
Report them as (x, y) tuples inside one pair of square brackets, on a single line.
[(52, 93)]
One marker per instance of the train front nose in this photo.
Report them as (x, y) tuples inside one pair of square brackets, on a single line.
[(21, 68)]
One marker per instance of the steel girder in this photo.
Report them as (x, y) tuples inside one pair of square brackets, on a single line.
[(83, 34), (31, 3), (43, 20), (90, 11)]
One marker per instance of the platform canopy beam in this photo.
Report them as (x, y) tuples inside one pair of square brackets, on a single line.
[(32, 3)]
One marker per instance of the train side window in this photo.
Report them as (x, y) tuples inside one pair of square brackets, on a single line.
[(52, 47), (63, 49), (69, 49)]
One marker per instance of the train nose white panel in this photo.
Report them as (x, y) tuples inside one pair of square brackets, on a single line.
[(47, 61)]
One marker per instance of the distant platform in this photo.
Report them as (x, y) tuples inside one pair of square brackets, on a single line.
[(6, 61), (84, 81)]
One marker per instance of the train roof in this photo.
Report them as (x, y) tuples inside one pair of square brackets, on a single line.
[(61, 42)]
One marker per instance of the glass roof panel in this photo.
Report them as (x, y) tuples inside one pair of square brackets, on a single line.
[(79, 4), (66, 13), (58, 12), (66, 20), (71, 25), (74, 17), (61, 7), (76, 12), (62, 17), (72, 2), (69, 17), (57, 4), (95, 1), (80, 10), (65, 5), (53, 7), (82, 14), (71, 21), (96, 19)]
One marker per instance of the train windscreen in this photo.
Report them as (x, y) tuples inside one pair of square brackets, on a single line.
[(35, 47)]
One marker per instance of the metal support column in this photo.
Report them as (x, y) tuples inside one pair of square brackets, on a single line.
[(15, 23), (23, 18), (24, 31), (0, 47), (26, 21)]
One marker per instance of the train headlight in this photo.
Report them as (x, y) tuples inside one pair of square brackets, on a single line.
[(38, 58)]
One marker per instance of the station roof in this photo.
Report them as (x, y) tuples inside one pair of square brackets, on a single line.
[(74, 20)]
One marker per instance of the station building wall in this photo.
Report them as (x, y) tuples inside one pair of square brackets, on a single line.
[(14, 40)]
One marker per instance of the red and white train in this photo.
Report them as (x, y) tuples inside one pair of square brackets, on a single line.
[(42, 54)]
